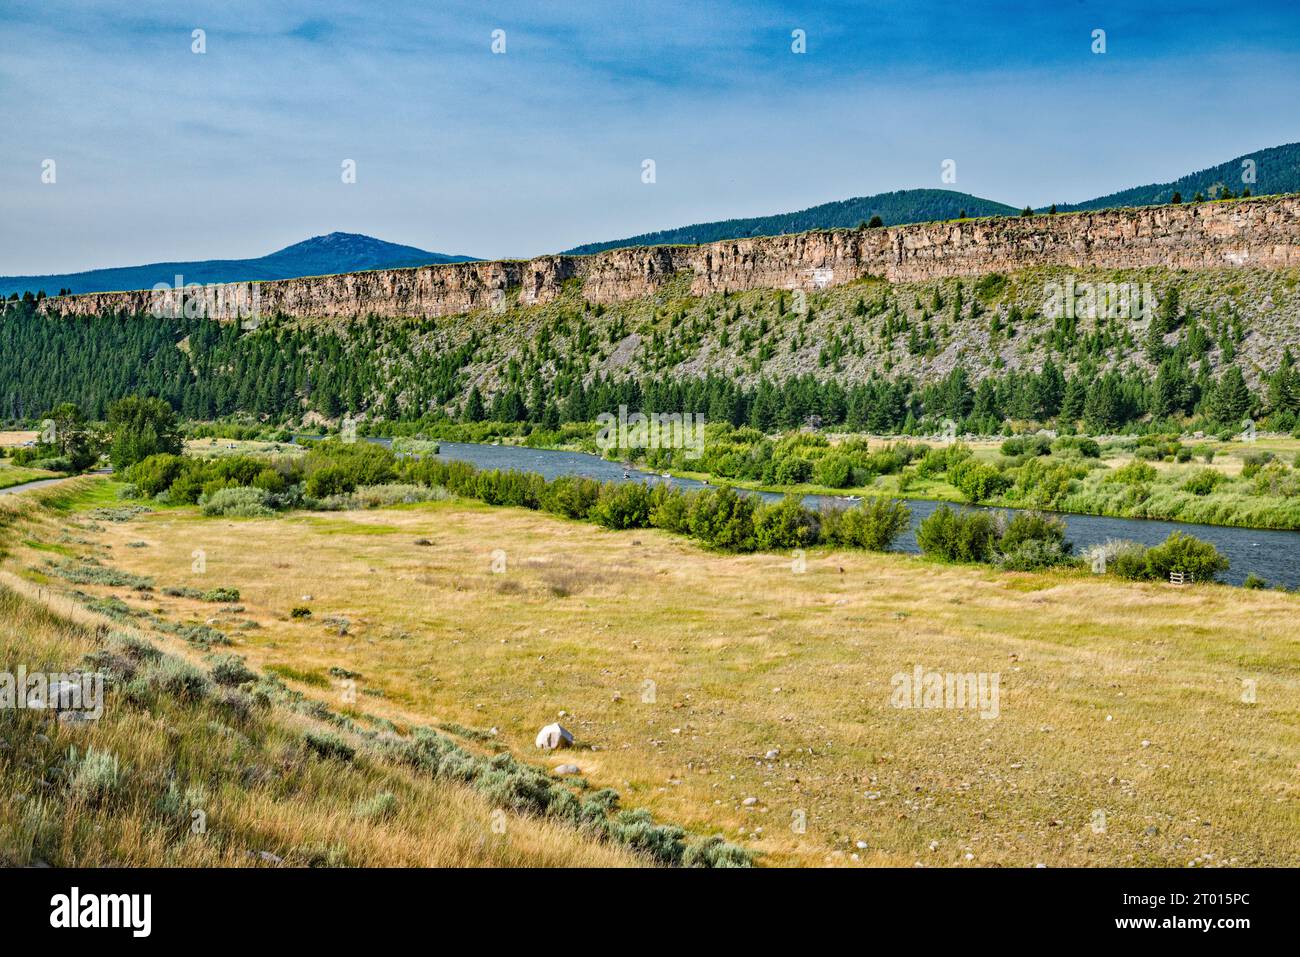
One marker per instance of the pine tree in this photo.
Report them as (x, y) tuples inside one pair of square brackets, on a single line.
[(1284, 385), (1103, 408), (1231, 401), (473, 411), (1072, 401)]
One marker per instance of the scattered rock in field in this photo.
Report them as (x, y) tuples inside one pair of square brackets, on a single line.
[(423, 541), (567, 769), (268, 858), (553, 736), (773, 754), (616, 697), (749, 801), (306, 597)]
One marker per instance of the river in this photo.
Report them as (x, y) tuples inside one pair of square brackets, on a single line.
[(1271, 555)]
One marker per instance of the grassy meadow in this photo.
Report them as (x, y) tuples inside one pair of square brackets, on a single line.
[(186, 770), (750, 695)]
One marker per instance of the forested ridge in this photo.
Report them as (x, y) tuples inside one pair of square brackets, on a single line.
[(867, 356)]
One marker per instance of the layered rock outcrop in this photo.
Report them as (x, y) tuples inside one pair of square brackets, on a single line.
[(1259, 233)]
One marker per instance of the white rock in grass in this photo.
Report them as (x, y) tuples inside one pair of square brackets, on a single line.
[(553, 736), (567, 769)]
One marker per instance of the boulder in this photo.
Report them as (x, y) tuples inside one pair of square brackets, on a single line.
[(553, 736)]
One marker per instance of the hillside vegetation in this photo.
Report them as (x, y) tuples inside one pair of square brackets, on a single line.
[(1275, 170), (1217, 346), (892, 209)]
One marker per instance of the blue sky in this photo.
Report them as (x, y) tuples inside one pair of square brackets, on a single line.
[(164, 154)]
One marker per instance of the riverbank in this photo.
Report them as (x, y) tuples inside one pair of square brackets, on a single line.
[(1242, 483), (1237, 496), (1267, 518), (1270, 555)]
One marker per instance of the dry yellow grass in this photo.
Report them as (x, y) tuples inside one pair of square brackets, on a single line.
[(258, 789), (1116, 698), (12, 438)]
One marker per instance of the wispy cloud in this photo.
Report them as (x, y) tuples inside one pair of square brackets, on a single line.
[(165, 154)]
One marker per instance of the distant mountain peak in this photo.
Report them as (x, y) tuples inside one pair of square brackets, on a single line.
[(336, 252), (336, 239)]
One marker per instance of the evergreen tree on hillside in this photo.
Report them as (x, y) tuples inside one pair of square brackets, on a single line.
[(1170, 391), (1231, 401), (1284, 385), (957, 398), (474, 411), (1051, 389), (550, 416), (1103, 409)]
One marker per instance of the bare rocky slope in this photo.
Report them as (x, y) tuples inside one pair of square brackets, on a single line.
[(1257, 233)]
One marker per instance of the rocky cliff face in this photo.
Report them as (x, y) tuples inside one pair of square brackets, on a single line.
[(1259, 233)]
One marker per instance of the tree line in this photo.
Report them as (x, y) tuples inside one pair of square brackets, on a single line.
[(208, 370)]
